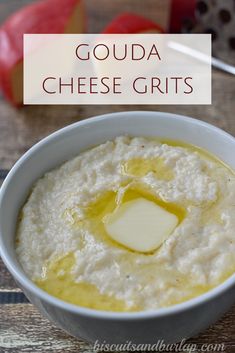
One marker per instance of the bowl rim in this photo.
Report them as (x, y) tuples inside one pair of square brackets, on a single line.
[(29, 285)]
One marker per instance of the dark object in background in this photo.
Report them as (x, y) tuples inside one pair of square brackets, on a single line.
[(218, 18), (207, 16)]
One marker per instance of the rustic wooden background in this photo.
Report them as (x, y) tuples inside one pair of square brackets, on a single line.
[(22, 328)]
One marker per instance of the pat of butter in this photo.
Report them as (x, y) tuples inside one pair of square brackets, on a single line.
[(140, 225)]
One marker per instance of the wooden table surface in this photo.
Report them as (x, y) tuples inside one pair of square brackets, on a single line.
[(22, 328)]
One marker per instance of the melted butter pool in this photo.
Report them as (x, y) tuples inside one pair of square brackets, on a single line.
[(106, 204)]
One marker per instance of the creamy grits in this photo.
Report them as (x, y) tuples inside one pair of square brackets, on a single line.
[(63, 244)]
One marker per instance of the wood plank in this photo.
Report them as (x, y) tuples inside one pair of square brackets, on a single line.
[(12, 297), (156, 10), (6, 280), (26, 330)]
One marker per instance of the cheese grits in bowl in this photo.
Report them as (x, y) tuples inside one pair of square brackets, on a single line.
[(123, 220)]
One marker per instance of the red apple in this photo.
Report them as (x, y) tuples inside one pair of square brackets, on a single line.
[(46, 16), (131, 23)]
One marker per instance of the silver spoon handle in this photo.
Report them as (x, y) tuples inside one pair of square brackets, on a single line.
[(219, 64)]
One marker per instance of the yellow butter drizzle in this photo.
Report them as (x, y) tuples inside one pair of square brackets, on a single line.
[(201, 151), (95, 214), (194, 291), (139, 167), (60, 283)]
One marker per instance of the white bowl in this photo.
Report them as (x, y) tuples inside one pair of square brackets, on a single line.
[(170, 324)]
